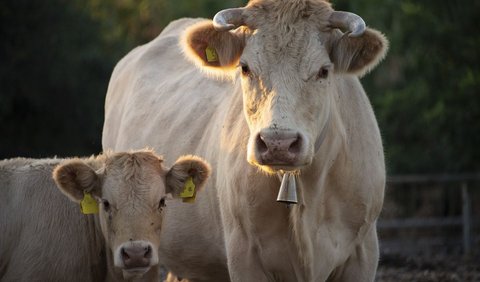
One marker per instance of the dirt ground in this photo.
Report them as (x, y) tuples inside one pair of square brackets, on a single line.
[(443, 268), (422, 268)]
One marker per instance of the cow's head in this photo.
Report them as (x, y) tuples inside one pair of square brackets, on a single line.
[(131, 190), (288, 55)]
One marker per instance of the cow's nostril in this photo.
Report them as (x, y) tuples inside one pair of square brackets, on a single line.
[(125, 256), (148, 252), (296, 146), (261, 145)]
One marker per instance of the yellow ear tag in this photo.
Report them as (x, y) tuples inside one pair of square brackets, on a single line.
[(188, 193), (189, 200), (211, 54), (88, 205)]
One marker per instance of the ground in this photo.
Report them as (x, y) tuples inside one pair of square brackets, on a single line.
[(440, 268)]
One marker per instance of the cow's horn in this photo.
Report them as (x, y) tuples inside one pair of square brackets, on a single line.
[(347, 21), (228, 19)]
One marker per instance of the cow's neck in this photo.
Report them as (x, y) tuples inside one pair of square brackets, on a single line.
[(312, 186), (257, 192)]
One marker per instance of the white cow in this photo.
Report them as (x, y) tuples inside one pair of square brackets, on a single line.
[(45, 237), (269, 88)]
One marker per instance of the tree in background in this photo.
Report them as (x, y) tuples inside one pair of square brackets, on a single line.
[(53, 76), (136, 22), (426, 93), (56, 57)]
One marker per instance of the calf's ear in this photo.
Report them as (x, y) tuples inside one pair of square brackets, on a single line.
[(74, 178), (184, 168), (212, 49), (357, 55)]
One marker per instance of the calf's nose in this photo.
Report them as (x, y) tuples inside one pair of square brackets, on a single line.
[(135, 256)]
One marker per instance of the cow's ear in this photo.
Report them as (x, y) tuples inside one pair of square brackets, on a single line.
[(210, 48), (357, 55), (74, 178), (184, 168)]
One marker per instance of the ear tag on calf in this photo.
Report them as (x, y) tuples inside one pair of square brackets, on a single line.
[(211, 54), (188, 193), (88, 205), (189, 200)]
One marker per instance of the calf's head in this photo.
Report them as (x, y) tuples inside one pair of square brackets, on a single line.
[(131, 190), (288, 55)]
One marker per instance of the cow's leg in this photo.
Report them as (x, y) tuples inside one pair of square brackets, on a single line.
[(243, 260), (362, 264)]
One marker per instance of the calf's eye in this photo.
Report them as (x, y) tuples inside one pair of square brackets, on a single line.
[(106, 205), (161, 204)]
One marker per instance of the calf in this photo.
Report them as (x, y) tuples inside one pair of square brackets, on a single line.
[(45, 237)]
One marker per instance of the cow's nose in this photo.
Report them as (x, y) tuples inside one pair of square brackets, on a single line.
[(278, 147), (136, 256)]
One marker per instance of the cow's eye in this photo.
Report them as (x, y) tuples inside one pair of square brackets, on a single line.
[(161, 204), (245, 69), (106, 205), (323, 72)]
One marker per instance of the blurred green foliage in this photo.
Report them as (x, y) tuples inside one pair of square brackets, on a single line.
[(53, 74), (426, 93), (56, 57)]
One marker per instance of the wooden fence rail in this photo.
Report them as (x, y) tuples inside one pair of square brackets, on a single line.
[(465, 220)]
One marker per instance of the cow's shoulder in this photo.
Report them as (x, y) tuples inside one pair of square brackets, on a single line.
[(37, 217), (175, 28), (14, 163), (164, 50), (156, 55), (166, 41), (24, 165), (23, 176)]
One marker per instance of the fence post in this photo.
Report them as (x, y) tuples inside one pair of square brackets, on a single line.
[(466, 218)]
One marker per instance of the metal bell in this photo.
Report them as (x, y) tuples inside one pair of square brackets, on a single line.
[(288, 190)]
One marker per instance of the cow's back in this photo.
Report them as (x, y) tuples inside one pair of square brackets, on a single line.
[(43, 234), (155, 93)]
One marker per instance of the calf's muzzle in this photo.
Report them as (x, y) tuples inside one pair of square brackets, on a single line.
[(136, 255)]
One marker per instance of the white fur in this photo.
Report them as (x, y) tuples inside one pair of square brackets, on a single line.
[(236, 230)]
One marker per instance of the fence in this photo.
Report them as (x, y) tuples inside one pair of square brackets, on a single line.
[(466, 221)]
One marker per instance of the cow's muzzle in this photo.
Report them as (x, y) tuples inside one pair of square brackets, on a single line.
[(279, 147)]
